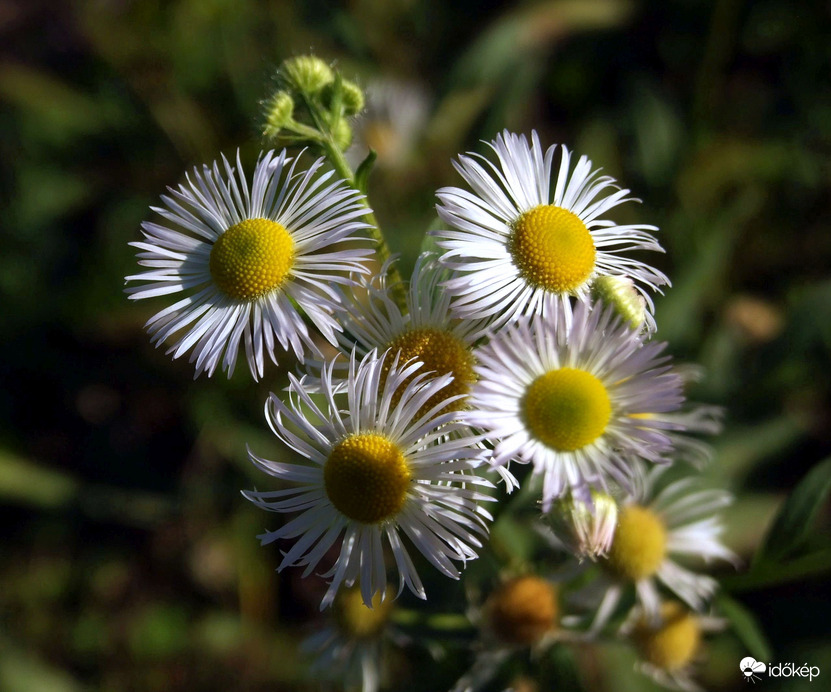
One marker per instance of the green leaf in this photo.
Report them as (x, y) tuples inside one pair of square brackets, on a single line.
[(364, 169), (746, 628), (32, 484), (795, 519)]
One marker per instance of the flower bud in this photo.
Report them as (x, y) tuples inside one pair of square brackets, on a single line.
[(279, 110), (307, 73), (620, 293), (585, 526), (523, 610), (342, 133)]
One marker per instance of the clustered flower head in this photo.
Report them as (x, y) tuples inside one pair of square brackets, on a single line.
[(524, 344)]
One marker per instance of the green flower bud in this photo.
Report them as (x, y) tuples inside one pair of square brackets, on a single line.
[(279, 110), (620, 293), (307, 73), (351, 95), (342, 133)]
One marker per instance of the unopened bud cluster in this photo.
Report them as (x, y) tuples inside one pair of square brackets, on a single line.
[(312, 103)]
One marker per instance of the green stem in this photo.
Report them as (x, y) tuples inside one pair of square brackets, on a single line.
[(333, 152)]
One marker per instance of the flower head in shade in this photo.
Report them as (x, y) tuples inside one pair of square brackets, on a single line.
[(574, 397), (657, 533), (521, 234), (250, 261), (424, 331), (350, 647), (669, 645), (373, 474)]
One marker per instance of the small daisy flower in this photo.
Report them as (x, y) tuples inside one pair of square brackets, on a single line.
[(350, 648), (522, 612), (670, 646), (681, 521), (516, 238), (250, 261), (577, 398), (426, 331), (372, 473)]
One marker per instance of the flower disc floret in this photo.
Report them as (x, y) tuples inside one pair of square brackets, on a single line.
[(674, 643), (640, 544), (441, 353), (366, 477), (359, 621), (566, 408), (523, 610), (552, 248), (252, 258)]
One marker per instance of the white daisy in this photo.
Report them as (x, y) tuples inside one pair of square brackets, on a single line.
[(425, 330), (576, 398), (251, 261), (350, 648), (373, 472), (680, 521), (517, 238)]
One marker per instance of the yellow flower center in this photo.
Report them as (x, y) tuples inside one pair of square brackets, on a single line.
[(673, 643), (441, 353), (566, 409), (640, 543), (252, 258), (357, 620), (523, 610), (366, 477), (552, 248)]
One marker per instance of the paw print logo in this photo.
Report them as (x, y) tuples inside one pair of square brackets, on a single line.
[(751, 668)]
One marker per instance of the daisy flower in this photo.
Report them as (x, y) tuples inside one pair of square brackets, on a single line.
[(581, 399), (670, 646), (373, 472), (250, 261), (653, 529), (425, 331), (517, 238), (521, 613), (350, 647)]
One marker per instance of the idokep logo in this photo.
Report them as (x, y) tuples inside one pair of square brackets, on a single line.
[(753, 670)]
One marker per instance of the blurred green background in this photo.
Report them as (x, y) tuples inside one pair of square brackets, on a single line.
[(128, 559)]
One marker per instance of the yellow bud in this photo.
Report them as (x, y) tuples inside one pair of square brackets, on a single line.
[(523, 610)]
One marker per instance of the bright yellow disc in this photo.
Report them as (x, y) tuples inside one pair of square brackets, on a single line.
[(566, 409), (552, 249), (252, 258), (366, 477)]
